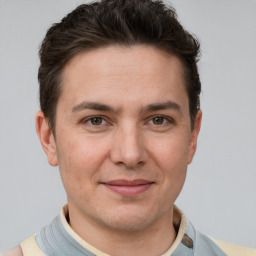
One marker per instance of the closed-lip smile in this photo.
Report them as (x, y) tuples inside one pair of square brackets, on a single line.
[(128, 188)]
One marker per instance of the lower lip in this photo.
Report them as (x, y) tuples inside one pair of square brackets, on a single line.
[(129, 191)]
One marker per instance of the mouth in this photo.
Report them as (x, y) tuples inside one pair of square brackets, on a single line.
[(129, 188)]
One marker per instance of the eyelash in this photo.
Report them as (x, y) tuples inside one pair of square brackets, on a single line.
[(166, 121), (89, 119)]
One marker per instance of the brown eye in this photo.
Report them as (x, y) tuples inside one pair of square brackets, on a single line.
[(96, 120), (158, 120)]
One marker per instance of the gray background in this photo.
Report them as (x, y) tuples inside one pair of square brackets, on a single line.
[(220, 192)]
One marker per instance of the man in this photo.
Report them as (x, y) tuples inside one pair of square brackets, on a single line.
[(120, 116)]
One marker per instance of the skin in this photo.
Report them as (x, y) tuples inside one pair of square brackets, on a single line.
[(14, 252), (123, 115)]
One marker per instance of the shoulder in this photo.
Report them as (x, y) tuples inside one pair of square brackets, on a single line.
[(235, 250), (14, 252), (217, 247), (28, 247)]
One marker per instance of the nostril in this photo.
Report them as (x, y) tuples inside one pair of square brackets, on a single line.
[(140, 163), (128, 148)]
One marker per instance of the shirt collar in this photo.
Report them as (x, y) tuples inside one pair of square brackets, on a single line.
[(183, 239)]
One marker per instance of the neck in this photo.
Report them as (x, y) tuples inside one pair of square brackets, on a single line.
[(153, 240)]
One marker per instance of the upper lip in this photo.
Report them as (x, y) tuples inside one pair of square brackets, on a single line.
[(123, 182)]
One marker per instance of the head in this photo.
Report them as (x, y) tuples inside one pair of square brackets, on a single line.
[(119, 92), (121, 23)]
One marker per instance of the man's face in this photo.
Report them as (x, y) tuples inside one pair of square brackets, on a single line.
[(123, 136)]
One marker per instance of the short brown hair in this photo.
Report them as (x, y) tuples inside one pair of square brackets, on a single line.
[(115, 22)]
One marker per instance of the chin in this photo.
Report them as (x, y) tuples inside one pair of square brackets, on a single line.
[(130, 225), (130, 221)]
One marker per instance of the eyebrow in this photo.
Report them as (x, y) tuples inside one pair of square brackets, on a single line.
[(162, 106), (92, 105), (103, 107)]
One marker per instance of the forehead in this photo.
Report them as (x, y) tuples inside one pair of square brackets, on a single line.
[(140, 59), (130, 74)]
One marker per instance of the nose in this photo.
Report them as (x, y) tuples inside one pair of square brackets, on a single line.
[(128, 147)]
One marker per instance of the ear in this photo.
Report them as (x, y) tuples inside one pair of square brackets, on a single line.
[(46, 138), (194, 136)]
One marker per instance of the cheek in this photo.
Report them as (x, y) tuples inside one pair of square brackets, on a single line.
[(171, 152), (77, 162), (80, 160), (171, 156)]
